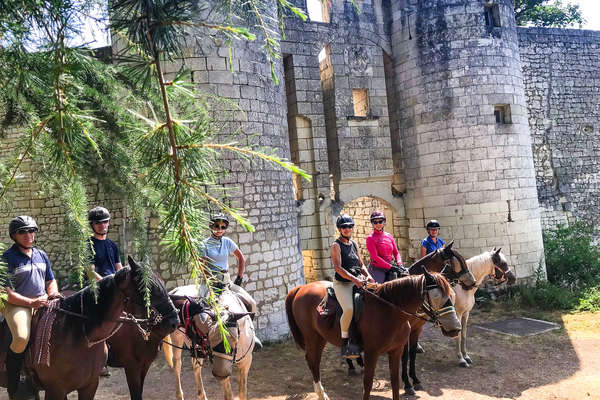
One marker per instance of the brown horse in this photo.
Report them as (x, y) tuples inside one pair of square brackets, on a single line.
[(454, 268), (135, 346), (82, 324), (383, 324)]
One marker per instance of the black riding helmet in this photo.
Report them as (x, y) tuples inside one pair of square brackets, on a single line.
[(344, 220), (433, 224), (98, 214), (219, 217), (21, 222)]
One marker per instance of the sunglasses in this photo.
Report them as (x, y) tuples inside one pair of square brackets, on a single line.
[(26, 230), (219, 227), (378, 221), (347, 227)]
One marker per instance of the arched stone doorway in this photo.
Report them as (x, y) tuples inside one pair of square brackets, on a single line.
[(361, 208)]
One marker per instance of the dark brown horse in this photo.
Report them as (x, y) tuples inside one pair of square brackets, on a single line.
[(82, 324), (383, 324), (135, 346)]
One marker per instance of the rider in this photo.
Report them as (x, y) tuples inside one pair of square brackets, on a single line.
[(216, 250), (106, 257), (382, 249), (349, 271), (29, 284), (432, 242)]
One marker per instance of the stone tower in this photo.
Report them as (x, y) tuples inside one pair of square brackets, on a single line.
[(466, 146)]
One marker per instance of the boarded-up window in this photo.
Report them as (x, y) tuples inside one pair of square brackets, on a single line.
[(319, 11), (360, 98)]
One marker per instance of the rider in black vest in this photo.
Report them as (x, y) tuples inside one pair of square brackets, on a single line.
[(349, 271)]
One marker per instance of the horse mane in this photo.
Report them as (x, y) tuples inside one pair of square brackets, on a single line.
[(419, 263), (93, 307), (401, 291)]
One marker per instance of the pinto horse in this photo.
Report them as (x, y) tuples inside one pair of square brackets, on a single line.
[(134, 347), (240, 335), (383, 324), (83, 322), (490, 264)]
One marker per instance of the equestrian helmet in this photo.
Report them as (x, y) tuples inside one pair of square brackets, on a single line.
[(219, 217), (377, 214), (98, 214), (433, 224), (21, 222), (344, 220)]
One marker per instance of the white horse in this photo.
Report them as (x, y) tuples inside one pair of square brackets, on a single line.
[(240, 337), (491, 264)]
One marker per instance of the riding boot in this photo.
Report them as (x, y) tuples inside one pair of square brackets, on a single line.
[(257, 344), (349, 349), (14, 363)]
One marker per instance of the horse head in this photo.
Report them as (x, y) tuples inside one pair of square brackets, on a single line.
[(457, 269), (502, 270), (438, 303), (139, 280)]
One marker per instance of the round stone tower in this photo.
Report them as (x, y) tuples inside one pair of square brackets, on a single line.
[(466, 148), (273, 258)]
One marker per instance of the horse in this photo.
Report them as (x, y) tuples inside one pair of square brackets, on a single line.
[(454, 268), (383, 324), (240, 335), (492, 264), (135, 345), (82, 323)]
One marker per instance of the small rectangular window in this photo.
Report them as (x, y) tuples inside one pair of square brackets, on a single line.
[(360, 98), (502, 113), (492, 16), (318, 11)]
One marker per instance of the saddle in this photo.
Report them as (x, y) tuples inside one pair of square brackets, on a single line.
[(329, 305)]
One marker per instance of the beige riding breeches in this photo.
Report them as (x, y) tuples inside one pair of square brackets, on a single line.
[(343, 292), (19, 322), (245, 296)]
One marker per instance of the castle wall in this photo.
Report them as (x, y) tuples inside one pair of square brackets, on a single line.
[(561, 71), (458, 73)]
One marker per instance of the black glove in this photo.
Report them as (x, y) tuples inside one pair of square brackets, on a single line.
[(238, 281)]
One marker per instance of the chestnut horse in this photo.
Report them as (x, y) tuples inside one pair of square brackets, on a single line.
[(83, 322), (490, 264), (454, 268), (135, 346), (383, 324)]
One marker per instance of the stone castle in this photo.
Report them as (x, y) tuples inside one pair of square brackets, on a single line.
[(425, 109)]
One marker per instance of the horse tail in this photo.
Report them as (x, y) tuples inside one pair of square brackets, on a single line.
[(168, 350), (294, 328)]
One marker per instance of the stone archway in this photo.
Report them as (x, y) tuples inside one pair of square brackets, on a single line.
[(360, 209)]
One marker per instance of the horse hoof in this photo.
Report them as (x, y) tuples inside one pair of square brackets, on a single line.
[(420, 349), (468, 360), (418, 386), (409, 392), (464, 364)]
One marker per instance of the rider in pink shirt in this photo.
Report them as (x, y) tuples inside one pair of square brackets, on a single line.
[(382, 248)]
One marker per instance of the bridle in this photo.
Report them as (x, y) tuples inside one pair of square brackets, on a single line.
[(454, 277), (497, 268), (428, 313)]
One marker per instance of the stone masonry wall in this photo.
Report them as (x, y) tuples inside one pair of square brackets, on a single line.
[(561, 71), (453, 67)]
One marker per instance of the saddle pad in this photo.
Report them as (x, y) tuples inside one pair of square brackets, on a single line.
[(42, 326)]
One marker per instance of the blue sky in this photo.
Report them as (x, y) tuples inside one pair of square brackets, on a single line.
[(591, 12)]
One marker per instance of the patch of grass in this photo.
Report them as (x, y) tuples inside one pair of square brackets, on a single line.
[(590, 299)]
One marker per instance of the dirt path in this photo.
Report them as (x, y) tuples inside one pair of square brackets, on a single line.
[(563, 364)]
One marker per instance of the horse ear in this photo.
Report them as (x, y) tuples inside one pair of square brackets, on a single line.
[(132, 263), (428, 276), (497, 251), (449, 245)]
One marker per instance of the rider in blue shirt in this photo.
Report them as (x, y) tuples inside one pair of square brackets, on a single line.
[(106, 259), (432, 242), (30, 282)]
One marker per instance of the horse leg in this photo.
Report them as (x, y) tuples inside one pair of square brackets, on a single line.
[(242, 372), (135, 381), (197, 365), (408, 388), (177, 341), (226, 386), (313, 352), (88, 392), (412, 368), (461, 361), (351, 369), (394, 363), (463, 335), (368, 374)]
